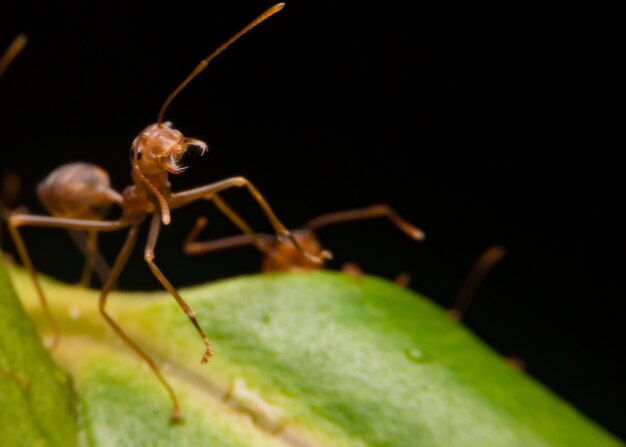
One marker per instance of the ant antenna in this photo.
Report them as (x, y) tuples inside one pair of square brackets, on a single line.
[(202, 65), (14, 49)]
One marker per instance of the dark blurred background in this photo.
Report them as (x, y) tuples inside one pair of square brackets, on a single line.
[(499, 123)]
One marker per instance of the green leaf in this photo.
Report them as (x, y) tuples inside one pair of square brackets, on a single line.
[(37, 407), (309, 360)]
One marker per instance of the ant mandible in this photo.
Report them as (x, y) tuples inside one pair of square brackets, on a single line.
[(280, 256), (79, 195)]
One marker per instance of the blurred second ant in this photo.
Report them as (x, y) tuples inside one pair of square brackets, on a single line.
[(281, 256)]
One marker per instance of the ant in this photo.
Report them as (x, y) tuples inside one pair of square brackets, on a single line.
[(280, 256), (79, 196)]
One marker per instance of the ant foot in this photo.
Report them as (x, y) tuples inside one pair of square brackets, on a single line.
[(207, 354), (175, 417)]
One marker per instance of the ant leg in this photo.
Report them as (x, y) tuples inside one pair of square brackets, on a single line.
[(476, 275), (240, 223), (206, 192), (24, 382), (91, 248), (352, 269), (403, 279), (87, 243), (192, 246), (11, 185), (118, 266), (14, 49), (153, 235), (371, 212), (25, 257), (19, 220)]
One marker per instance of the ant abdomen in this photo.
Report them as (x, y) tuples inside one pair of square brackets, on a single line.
[(78, 191)]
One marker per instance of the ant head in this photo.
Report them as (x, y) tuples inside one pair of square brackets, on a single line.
[(160, 147)]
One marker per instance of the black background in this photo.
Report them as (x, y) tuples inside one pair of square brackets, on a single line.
[(480, 124)]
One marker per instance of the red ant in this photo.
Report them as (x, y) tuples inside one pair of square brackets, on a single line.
[(79, 195), (280, 256)]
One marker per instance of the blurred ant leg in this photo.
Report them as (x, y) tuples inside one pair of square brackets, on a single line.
[(371, 212), (11, 185), (208, 191), (153, 235), (240, 223), (20, 220), (261, 241), (352, 269), (485, 262), (14, 49), (118, 266), (91, 250), (403, 279), (87, 243), (515, 362), (193, 247), (24, 383)]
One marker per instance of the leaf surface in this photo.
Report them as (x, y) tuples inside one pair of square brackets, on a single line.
[(37, 406), (308, 360)]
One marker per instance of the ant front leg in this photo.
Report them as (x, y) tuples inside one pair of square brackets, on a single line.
[(155, 227), (208, 192)]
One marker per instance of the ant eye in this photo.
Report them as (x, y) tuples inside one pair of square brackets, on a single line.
[(132, 154)]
